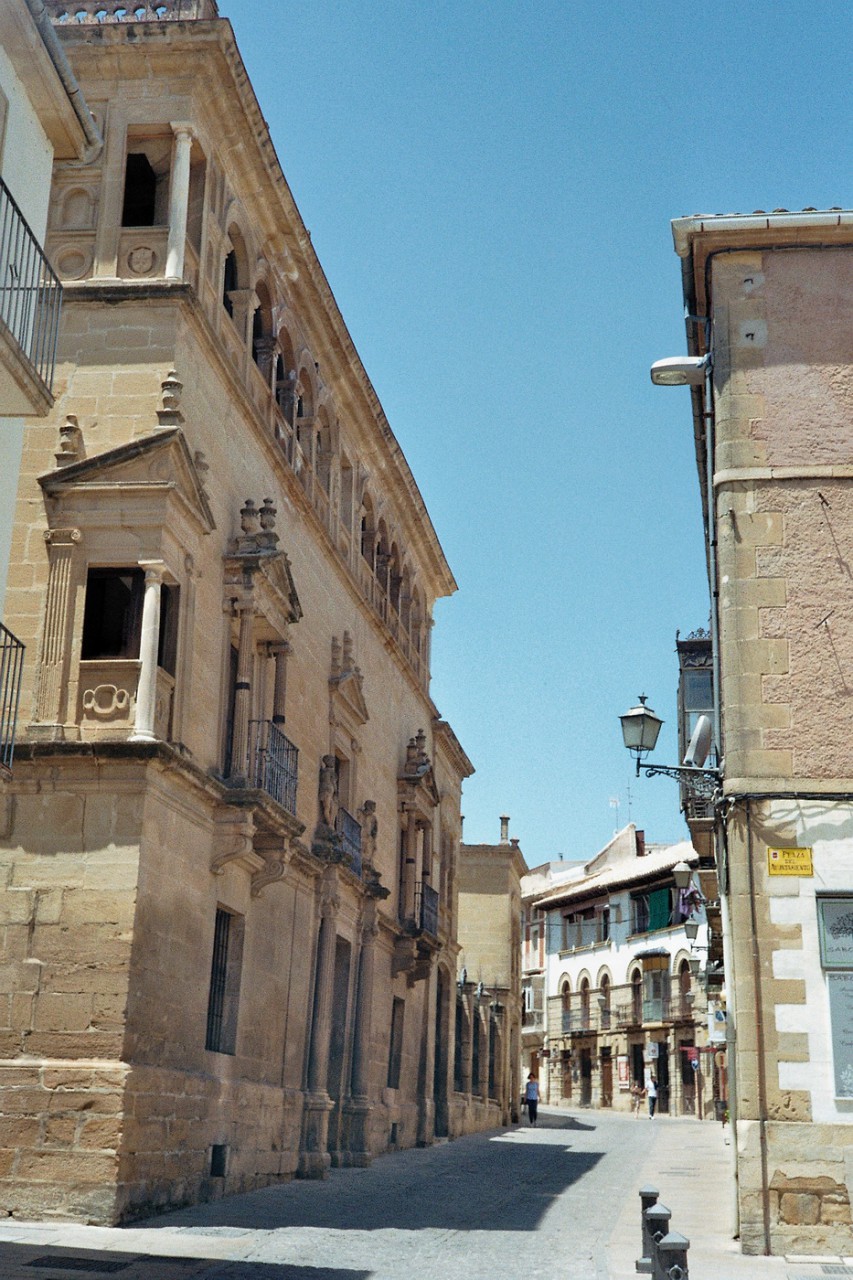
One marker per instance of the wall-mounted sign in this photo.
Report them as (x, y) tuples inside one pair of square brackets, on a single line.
[(789, 862), (650, 1051), (623, 1071), (841, 1017), (835, 928)]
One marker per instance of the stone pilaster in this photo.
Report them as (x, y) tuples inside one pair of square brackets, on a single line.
[(51, 700), (314, 1159)]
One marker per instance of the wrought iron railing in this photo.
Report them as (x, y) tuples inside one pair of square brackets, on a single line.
[(11, 665), (273, 763), (350, 833), (426, 908), (615, 1007), (30, 293)]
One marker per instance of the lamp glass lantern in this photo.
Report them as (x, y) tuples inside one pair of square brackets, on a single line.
[(640, 729), (682, 874)]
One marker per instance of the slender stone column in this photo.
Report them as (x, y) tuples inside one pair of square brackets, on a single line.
[(410, 865), (426, 851), (314, 1159), (51, 704), (280, 652), (179, 200), (242, 694), (146, 690), (364, 1004), (318, 1066), (467, 1044)]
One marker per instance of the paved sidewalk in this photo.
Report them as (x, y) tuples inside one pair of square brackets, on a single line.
[(690, 1164), (560, 1200)]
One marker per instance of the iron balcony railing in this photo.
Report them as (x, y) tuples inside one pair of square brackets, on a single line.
[(426, 908), (350, 833), (273, 763), (30, 293), (11, 666), (618, 1007)]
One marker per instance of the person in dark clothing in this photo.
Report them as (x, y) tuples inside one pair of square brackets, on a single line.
[(531, 1097)]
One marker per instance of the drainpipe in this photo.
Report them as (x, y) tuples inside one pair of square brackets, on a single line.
[(94, 141)]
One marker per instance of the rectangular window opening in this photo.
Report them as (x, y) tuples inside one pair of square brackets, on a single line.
[(112, 618), (224, 994), (395, 1047)]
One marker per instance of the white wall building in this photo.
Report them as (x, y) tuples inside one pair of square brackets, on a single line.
[(626, 988)]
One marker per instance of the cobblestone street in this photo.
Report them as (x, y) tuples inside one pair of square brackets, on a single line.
[(533, 1202), (558, 1201)]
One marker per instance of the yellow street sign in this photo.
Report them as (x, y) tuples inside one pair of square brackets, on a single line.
[(789, 862)]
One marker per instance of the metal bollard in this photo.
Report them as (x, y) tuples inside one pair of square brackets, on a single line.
[(648, 1197), (672, 1256), (657, 1223)]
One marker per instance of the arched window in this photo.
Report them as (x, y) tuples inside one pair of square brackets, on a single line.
[(368, 529), (262, 334), (394, 578), (585, 1004), (346, 493), (235, 270), (685, 988), (566, 1006), (406, 600), (476, 1034), (416, 621), (637, 996), (323, 453), (604, 989), (382, 556), (229, 281)]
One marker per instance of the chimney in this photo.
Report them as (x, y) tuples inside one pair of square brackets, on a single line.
[(641, 844), (504, 830)]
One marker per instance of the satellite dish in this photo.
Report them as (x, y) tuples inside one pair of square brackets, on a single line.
[(700, 744)]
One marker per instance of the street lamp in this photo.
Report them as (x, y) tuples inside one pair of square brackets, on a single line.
[(640, 729)]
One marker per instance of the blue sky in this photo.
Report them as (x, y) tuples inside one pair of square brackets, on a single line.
[(489, 187)]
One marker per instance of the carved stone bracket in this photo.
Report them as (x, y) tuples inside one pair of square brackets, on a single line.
[(276, 852), (234, 842)]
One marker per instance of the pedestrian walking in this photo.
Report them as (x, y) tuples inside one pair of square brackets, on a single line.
[(652, 1093), (531, 1097), (637, 1095)]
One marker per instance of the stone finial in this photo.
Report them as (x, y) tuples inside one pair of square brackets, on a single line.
[(336, 656), (173, 389), (504, 829), (267, 538), (422, 758), (347, 656), (249, 520), (70, 442), (411, 755)]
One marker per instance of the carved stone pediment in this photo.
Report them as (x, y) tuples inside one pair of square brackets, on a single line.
[(416, 784), (152, 471), (346, 687), (257, 564)]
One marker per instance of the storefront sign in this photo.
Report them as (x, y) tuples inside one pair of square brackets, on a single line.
[(789, 862), (650, 1051), (841, 1017), (623, 1071), (835, 927)]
